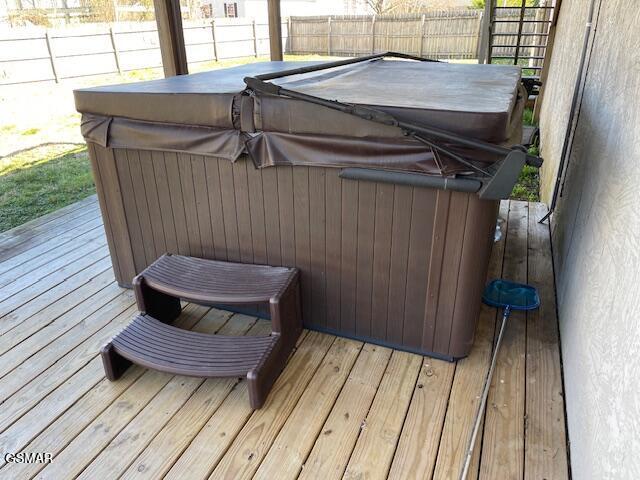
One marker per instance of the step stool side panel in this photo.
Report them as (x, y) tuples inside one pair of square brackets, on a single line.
[(286, 312), (156, 304), (114, 364), (261, 379)]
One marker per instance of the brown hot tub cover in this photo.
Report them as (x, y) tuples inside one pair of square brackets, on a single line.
[(211, 113)]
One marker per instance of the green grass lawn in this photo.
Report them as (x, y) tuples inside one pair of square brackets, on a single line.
[(41, 180), (528, 186), (46, 176)]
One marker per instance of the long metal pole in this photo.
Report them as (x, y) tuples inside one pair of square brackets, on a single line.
[(483, 399), (568, 134), (338, 63)]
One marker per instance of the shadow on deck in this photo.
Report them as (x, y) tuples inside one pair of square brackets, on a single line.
[(340, 409)]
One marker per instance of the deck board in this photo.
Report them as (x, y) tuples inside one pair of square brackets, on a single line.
[(544, 433), (81, 219), (503, 441), (339, 434), (16, 265), (53, 222), (296, 438), (467, 383), (340, 409), (376, 445)]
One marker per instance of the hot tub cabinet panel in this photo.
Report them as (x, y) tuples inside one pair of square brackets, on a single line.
[(393, 264)]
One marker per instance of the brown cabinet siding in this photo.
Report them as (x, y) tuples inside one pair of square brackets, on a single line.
[(391, 264)]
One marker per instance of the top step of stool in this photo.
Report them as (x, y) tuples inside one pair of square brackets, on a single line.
[(210, 282)]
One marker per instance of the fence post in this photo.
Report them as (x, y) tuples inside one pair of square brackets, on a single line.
[(479, 37), (423, 25), (541, 14), (255, 38), (289, 36), (329, 35), (52, 56), (116, 54), (373, 34), (213, 36)]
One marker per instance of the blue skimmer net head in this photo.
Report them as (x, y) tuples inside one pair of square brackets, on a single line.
[(503, 293)]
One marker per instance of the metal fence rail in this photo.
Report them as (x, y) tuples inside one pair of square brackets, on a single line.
[(211, 41)]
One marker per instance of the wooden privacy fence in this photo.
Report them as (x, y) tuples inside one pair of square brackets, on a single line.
[(439, 34), (450, 34), (37, 55)]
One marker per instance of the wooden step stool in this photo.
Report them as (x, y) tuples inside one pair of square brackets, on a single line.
[(151, 341)]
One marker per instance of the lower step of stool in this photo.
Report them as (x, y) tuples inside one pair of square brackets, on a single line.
[(153, 344)]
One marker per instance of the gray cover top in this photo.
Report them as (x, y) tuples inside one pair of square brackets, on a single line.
[(198, 99), (418, 85), (223, 80)]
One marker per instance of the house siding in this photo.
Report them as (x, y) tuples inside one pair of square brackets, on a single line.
[(596, 235)]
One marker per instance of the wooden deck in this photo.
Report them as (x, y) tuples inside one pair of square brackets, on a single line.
[(340, 409)]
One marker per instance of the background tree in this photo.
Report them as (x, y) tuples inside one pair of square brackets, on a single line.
[(389, 7), (505, 3)]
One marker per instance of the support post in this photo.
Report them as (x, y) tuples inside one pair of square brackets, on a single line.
[(255, 38), (171, 36), (275, 30), (67, 17), (289, 36), (116, 54), (373, 34), (213, 36), (329, 35), (484, 53), (52, 56)]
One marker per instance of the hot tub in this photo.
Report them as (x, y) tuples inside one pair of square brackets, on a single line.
[(198, 165)]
